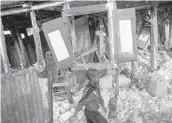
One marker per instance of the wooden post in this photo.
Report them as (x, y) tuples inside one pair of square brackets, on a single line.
[(51, 67), (36, 35), (154, 44), (115, 78), (73, 34), (66, 21), (170, 36), (70, 26), (167, 35), (112, 5), (132, 72), (3, 50), (23, 60)]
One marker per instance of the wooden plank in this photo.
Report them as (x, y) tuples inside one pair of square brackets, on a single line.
[(9, 99), (26, 95), (16, 97), (4, 110), (36, 35), (19, 95), (86, 51), (14, 106), (29, 100), (39, 97), (50, 67), (34, 98), (32, 105), (3, 51), (154, 42), (142, 7), (34, 7), (86, 9)]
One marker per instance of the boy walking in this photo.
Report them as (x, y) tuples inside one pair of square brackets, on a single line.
[(91, 99)]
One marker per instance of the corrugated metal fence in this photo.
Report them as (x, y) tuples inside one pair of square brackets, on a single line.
[(23, 99)]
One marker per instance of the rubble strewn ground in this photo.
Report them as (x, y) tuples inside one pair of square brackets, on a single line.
[(134, 105)]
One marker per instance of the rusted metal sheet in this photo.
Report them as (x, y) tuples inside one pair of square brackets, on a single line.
[(22, 98)]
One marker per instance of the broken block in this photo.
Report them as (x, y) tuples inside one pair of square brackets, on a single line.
[(156, 86), (124, 81), (106, 82), (66, 116)]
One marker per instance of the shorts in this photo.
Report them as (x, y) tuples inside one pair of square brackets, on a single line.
[(94, 117)]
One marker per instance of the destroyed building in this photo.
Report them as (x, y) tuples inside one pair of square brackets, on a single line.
[(47, 46)]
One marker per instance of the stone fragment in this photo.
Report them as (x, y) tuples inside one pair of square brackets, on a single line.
[(122, 94), (139, 120), (106, 82), (171, 118), (124, 81), (65, 116), (62, 110), (56, 121), (65, 106), (156, 86), (81, 116)]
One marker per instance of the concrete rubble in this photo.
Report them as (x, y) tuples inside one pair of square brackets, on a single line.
[(134, 105)]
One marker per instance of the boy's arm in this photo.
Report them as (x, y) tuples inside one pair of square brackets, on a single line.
[(102, 102)]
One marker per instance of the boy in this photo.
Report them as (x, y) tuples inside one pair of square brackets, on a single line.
[(91, 99)]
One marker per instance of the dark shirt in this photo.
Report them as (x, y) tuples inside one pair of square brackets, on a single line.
[(91, 98)]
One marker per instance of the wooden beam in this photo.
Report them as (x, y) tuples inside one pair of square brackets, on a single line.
[(36, 35), (87, 51), (28, 9), (142, 7), (154, 42), (86, 9), (3, 51)]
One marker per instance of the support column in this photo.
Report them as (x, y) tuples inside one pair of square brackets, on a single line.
[(167, 35), (154, 42), (115, 78), (112, 5), (170, 36), (70, 26), (36, 35), (3, 51), (73, 34)]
